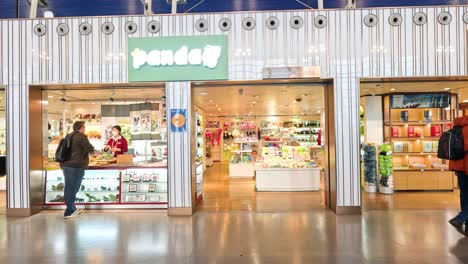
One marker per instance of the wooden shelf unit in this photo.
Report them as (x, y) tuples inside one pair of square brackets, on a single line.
[(418, 148)]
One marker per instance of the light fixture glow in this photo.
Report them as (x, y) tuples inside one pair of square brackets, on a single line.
[(392, 89), (203, 93), (446, 89)]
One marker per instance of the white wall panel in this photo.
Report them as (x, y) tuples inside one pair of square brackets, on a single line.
[(345, 49)]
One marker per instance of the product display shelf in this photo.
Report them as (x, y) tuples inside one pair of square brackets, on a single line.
[(110, 187), (200, 153), (241, 164), (414, 135)]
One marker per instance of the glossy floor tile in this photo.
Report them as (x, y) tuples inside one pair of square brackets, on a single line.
[(402, 236), (222, 194)]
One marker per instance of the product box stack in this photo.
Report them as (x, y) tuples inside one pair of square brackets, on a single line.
[(370, 167), (386, 169)]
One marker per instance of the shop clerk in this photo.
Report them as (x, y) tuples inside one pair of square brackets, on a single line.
[(117, 143)]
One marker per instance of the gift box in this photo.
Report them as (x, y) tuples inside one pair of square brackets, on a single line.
[(436, 131), (411, 132), (395, 132)]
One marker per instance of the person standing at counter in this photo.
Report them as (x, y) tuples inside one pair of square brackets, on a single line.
[(74, 168), (117, 144)]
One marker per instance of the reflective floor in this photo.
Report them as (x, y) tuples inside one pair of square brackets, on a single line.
[(245, 237)]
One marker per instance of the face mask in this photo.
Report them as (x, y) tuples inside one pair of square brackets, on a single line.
[(115, 133)]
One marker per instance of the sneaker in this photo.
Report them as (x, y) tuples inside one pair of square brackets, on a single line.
[(459, 226), (74, 214), (80, 211)]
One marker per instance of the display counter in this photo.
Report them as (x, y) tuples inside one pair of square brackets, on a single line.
[(287, 179), (113, 186)]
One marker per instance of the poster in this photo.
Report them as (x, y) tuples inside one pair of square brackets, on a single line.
[(178, 120), (428, 100)]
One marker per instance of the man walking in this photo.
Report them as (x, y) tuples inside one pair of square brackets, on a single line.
[(74, 168), (461, 169)]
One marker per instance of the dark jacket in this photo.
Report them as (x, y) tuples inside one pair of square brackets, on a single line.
[(81, 148), (461, 165)]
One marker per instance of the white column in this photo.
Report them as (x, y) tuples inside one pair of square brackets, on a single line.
[(180, 201)]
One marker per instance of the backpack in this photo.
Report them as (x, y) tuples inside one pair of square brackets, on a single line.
[(451, 145), (64, 149)]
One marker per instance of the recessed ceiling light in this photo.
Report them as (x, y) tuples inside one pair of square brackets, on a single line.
[(50, 96), (256, 96), (210, 101), (446, 89), (284, 92), (294, 101), (216, 105), (211, 114), (253, 102), (203, 93), (392, 89), (318, 112), (219, 109)]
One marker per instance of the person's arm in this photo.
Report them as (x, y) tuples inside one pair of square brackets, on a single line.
[(124, 145), (87, 147), (108, 146)]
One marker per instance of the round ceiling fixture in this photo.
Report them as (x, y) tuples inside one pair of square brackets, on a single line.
[(248, 23), (62, 29), (395, 20), (40, 30), (420, 19), (272, 23), (201, 25), (320, 21), (153, 26), (107, 28), (131, 27), (225, 24), (296, 22), (444, 18), (465, 18), (370, 20), (86, 28)]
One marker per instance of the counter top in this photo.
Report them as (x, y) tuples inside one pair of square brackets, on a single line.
[(115, 166), (289, 169)]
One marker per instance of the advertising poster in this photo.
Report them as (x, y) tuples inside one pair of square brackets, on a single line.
[(429, 100), (178, 120)]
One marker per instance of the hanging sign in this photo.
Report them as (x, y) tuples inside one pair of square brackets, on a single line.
[(183, 58), (424, 100), (178, 120)]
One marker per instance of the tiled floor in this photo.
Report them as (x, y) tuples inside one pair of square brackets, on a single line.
[(221, 194), (402, 236)]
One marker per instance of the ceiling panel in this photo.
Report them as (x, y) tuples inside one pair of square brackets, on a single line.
[(260, 100), (62, 8)]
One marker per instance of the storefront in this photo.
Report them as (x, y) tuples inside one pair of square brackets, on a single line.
[(402, 120), (346, 45), (264, 145)]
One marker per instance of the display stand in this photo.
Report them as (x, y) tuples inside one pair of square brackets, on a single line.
[(287, 179), (414, 134), (242, 169)]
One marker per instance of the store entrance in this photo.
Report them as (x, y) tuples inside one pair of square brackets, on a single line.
[(125, 123), (262, 146), (401, 122)]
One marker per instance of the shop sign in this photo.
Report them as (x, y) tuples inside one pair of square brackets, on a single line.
[(423, 100), (291, 72), (178, 120), (183, 58)]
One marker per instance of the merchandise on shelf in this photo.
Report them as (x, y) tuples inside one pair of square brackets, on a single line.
[(385, 168), (241, 158), (289, 157), (370, 164), (200, 153)]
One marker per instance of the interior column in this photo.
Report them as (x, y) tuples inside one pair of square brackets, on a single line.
[(180, 147)]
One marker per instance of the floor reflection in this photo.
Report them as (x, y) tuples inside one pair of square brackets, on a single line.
[(243, 237)]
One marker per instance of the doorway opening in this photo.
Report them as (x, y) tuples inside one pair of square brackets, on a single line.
[(401, 122), (263, 145)]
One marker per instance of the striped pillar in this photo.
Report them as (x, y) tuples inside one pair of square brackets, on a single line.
[(180, 201)]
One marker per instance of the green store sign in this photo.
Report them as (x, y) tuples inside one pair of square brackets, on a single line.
[(188, 58)]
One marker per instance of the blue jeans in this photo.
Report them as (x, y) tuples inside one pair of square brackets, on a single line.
[(73, 179), (463, 184)]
